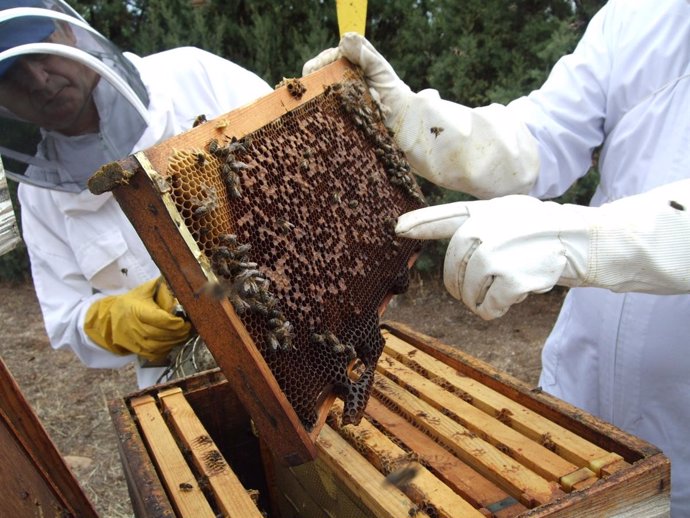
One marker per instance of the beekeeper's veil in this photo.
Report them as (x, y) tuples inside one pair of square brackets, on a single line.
[(37, 37)]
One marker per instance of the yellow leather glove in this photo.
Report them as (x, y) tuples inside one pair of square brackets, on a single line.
[(139, 322)]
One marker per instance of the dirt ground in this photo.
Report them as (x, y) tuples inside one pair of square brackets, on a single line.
[(71, 400)]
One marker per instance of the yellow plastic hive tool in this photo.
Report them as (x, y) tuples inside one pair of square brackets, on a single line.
[(352, 16)]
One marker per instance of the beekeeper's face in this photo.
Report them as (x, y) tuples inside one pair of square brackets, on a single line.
[(53, 92)]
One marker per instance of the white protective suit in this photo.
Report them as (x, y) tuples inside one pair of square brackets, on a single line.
[(624, 357), (82, 247), (626, 87)]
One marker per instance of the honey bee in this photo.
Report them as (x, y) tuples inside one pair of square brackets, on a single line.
[(436, 131), (403, 476), (223, 252), (272, 340), (240, 305), (304, 165), (335, 87), (236, 165), (204, 232), (236, 144), (243, 249), (205, 204), (266, 305), (228, 239), (246, 285), (232, 182), (200, 119), (390, 224), (213, 146), (200, 158), (336, 345), (275, 323), (284, 330), (186, 486), (284, 226), (201, 211)]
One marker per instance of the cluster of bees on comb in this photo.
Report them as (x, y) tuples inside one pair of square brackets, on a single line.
[(397, 168)]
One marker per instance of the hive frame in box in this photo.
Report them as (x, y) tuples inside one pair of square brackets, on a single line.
[(140, 184), (443, 432)]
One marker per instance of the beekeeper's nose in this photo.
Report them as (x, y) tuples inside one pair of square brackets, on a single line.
[(30, 73)]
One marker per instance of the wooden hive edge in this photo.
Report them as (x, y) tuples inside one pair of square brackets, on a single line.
[(640, 491), (24, 426), (147, 495)]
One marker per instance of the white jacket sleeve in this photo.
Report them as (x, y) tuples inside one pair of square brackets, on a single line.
[(485, 151), (568, 115)]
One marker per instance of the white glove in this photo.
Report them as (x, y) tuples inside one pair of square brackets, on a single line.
[(484, 151), (503, 249)]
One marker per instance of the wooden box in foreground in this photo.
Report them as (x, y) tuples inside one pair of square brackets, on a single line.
[(35, 481), (444, 435)]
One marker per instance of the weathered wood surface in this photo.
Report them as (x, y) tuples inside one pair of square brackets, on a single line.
[(363, 479), (464, 480), (35, 479), (422, 487), (616, 473), (146, 491)]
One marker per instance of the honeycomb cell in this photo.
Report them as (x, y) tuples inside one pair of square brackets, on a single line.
[(295, 219)]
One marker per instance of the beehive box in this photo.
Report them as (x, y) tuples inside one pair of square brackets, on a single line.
[(274, 226), (444, 435), (34, 478)]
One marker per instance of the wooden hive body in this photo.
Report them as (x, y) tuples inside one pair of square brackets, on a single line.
[(444, 435)]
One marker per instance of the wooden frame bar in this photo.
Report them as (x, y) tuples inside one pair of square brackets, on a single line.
[(233, 499)]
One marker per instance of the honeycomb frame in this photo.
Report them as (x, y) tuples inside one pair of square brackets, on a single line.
[(288, 208)]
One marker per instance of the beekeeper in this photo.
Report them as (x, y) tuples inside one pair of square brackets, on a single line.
[(99, 291), (621, 346)]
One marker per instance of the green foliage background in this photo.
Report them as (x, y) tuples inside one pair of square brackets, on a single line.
[(474, 52)]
